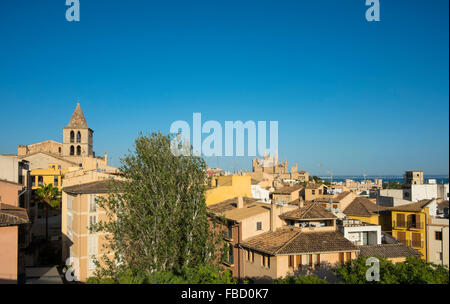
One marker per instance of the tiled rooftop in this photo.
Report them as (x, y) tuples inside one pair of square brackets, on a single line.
[(388, 251), (12, 215), (310, 211), (286, 241)]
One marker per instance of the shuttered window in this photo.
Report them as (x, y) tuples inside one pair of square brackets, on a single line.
[(341, 258), (416, 240), (317, 259), (299, 261), (291, 261), (401, 220), (92, 203), (401, 237)]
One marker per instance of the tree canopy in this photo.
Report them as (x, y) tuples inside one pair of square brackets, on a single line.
[(412, 271), (157, 220)]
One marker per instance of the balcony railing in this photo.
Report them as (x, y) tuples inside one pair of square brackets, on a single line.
[(418, 225), (408, 224), (399, 224)]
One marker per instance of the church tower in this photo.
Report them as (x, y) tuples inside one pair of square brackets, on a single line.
[(77, 136)]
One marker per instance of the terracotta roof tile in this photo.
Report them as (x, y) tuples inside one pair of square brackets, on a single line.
[(288, 189), (12, 215), (388, 251), (413, 207), (310, 211), (362, 206), (87, 188), (287, 241)]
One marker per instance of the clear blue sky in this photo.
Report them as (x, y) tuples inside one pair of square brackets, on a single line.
[(355, 96)]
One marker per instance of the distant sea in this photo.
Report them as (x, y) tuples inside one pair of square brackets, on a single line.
[(399, 178)]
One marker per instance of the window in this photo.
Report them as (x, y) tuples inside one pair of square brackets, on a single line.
[(258, 225), (349, 256), (92, 221), (78, 137), (69, 202), (291, 261), (401, 220), (91, 265), (92, 203), (317, 259), (299, 261), (33, 181), (72, 136), (92, 245), (72, 150), (230, 231), (59, 150), (265, 261), (230, 254), (78, 150), (310, 259), (55, 181), (40, 180), (416, 240), (438, 235), (313, 192), (69, 225), (341, 258)]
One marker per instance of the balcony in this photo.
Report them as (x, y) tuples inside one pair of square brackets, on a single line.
[(396, 224), (408, 225)]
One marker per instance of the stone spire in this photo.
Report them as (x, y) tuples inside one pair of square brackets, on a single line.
[(78, 120)]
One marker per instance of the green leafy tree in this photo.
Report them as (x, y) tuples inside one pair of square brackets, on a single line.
[(412, 271), (203, 274), (307, 279), (50, 197), (157, 219)]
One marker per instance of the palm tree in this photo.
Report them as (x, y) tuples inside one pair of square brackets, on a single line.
[(50, 196)]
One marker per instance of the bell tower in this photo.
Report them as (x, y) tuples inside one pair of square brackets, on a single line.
[(77, 136)]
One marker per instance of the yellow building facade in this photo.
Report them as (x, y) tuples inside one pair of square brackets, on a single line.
[(228, 187), (53, 175), (410, 229)]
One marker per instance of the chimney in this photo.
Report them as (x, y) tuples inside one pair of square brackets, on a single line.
[(301, 203), (272, 216), (106, 158), (240, 202)]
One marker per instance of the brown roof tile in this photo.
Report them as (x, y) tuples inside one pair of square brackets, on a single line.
[(287, 241), (88, 188), (310, 211), (288, 189), (12, 215), (361, 206), (413, 207), (388, 251)]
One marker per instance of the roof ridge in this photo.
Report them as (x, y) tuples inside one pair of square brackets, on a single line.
[(288, 242)]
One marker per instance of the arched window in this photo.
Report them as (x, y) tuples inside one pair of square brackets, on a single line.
[(72, 136), (72, 150), (78, 137), (59, 150), (78, 150)]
